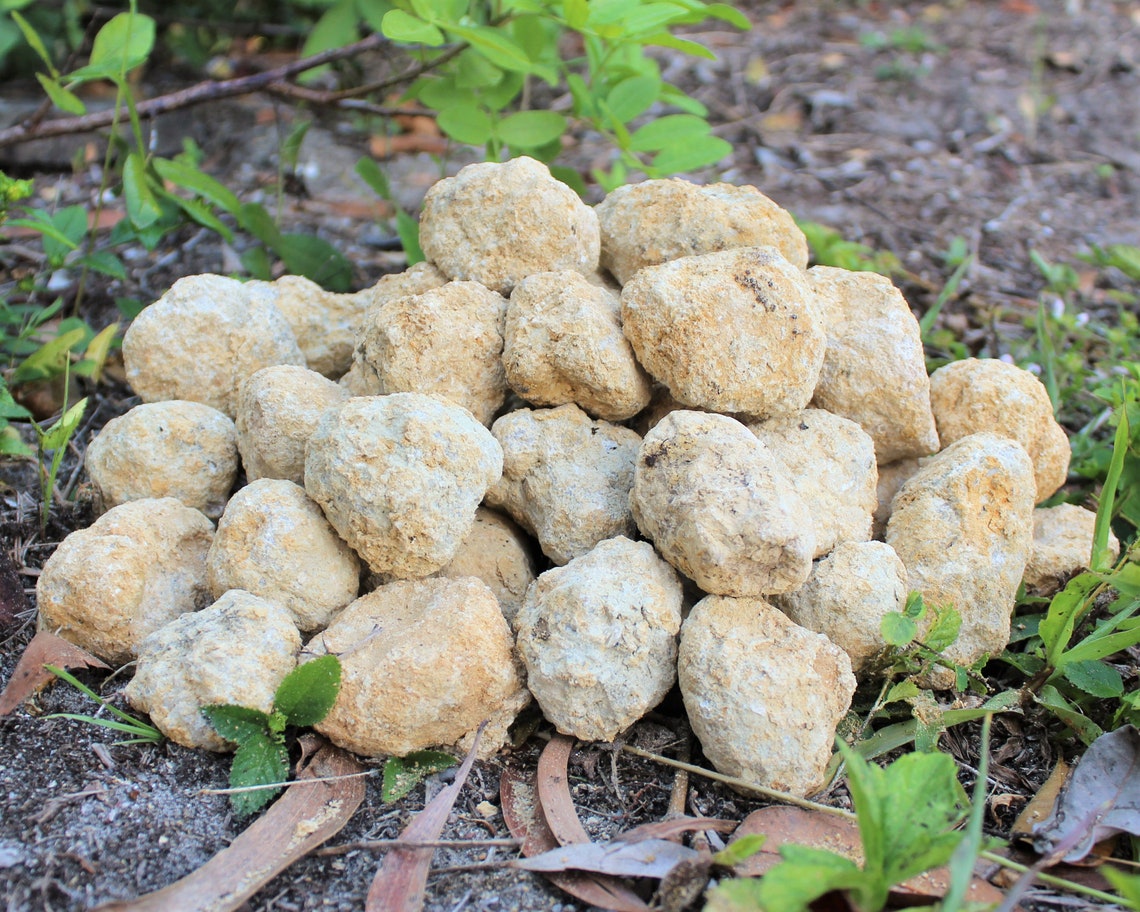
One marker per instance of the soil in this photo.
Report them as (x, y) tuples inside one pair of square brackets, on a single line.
[(1012, 125)]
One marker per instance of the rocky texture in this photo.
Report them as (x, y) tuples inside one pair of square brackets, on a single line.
[(660, 220), (201, 339), (736, 331), (424, 662), (1062, 546), (400, 477), (498, 223), (598, 637), (180, 449), (500, 554), (847, 595), (278, 410), (566, 478), (891, 478), (235, 652), (274, 542), (763, 694), (874, 371), (985, 394), (963, 527), (720, 507), (138, 566), (447, 341), (563, 344), (831, 462)]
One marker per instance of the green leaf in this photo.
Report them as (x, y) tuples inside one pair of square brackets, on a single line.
[(610, 12), (35, 43), (59, 433), (1065, 609), (142, 206), (409, 231), (336, 28), (66, 101), (469, 125), (105, 263), (1094, 678), (1051, 698), (474, 71), (945, 628), (667, 131), (402, 774), (570, 177), (1096, 646), (192, 179), (500, 50), (9, 407), (903, 690), (408, 29), (804, 875), (684, 45), (237, 723), (254, 218), (729, 14), (1127, 885), (49, 359), (11, 444), (897, 629), (632, 97), (647, 17), (674, 96), (259, 760), (739, 850), (316, 259), (309, 691), (371, 174), (200, 213), (123, 42), (576, 13), (528, 129), (1102, 527)]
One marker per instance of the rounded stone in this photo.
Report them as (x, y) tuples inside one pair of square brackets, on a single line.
[(891, 477), (736, 331), (235, 652), (138, 566), (1062, 546), (180, 449), (598, 637)]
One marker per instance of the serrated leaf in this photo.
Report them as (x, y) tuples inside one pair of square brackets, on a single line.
[(123, 42), (1094, 678), (66, 101), (944, 630), (402, 774), (468, 125), (903, 690), (309, 691), (237, 723), (897, 629), (408, 29), (530, 129), (259, 760)]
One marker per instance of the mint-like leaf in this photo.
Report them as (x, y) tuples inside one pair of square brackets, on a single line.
[(309, 691), (402, 774), (259, 761), (237, 723)]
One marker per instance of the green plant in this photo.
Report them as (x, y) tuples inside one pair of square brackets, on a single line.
[(402, 774), (141, 732), (829, 248), (261, 761)]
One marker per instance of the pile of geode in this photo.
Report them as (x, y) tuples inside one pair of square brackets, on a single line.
[(653, 390)]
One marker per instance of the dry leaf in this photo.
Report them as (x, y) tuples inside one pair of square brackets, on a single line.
[(30, 676), (644, 858), (676, 826), (1040, 806), (554, 792)]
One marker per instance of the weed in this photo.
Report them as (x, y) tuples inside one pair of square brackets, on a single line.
[(141, 732)]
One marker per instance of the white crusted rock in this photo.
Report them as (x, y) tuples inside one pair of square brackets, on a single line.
[(138, 566), (847, 596), (566, 478), (985, 394), (963, 527), (831, 462), (201, 339), (447, 341), (891, 477), (497, 223), (660, 220), (274, 542), (424, 663), (1062, 546), (598, 637), (763, 694), (720, 507), (278, 410), (178, 448), (400, 477), (563, 344), (874, 371), (736, 331), (235, 652)]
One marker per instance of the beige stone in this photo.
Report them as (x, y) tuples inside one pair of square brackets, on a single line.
[(447, 341), (985, 394), (424, 663), (497, 223), (598, 637), (831, 462), (1062, 546), (235, 652), (566, 478), (720, 507), (138, 566), (180, 449), (278, 410), (891, 478), (736, 331), (201, 339), (563, 344), (414, 280), (874, 371), (763, 695), (660, 220), (274, 542), (400, 478)]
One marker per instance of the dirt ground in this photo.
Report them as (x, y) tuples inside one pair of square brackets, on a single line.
[(1013, 125)]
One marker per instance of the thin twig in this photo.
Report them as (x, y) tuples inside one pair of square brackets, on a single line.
[(290, 784), (382, 845)]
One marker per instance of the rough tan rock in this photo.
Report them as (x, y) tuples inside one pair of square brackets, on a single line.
[(831, 462), (874, 371), (963, 527), (414, 280), (178, 448), (274, 542), (237, 652), (424, 662), (598, 637), (736, 331), (847, 596), (1062, 546), (277, 411), (566, 478), (660, 220), (447, 341), (891, 478), (985, 394), (500, 554), (720, 507), (563, 344), (400, 477), (498, 223), (201, 339), (763, 694), (136, 567)]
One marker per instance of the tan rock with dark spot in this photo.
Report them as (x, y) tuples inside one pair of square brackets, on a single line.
[(1062, 546)]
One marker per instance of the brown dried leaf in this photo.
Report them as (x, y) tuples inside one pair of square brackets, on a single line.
[(1040, 806), (676, 826), (554, 792), (30, 676), (644, 858)]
